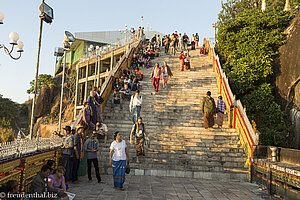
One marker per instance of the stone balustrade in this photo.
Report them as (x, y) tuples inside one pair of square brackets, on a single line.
[(20, 146)]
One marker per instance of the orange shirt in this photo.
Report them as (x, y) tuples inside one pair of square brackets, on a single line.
[(139, 72)]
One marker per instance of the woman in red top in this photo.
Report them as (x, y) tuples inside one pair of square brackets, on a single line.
[(181, 57), (155, 75)]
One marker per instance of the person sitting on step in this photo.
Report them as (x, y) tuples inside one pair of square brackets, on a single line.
[(127, 81), (126, 92), (101, 131), (139, 74), (117, 99), (117, 85), (57, 179)]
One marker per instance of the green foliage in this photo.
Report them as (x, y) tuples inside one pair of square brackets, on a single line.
[(248, 42), (231, 8), (44, 79), (9, 112), (9, 116), (270, 120)]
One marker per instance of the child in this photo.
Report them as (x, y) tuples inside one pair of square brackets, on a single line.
[(187, 61), (181, 58)]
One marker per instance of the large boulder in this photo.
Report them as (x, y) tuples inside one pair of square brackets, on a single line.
[(288, 76), (45, 100)]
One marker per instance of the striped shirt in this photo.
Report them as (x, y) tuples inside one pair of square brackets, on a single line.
[(221, 106)]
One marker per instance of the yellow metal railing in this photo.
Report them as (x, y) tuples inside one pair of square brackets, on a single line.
[(236, 115)]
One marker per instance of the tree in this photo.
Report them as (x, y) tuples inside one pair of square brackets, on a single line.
[(43, 79), (248, 43)]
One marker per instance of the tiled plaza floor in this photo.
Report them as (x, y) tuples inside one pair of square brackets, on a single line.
[(151, 187)]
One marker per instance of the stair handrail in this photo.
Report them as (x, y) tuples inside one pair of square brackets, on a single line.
[(107, 85), (237, 115)]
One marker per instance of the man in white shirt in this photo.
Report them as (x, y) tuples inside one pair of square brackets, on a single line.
[(135, 105)]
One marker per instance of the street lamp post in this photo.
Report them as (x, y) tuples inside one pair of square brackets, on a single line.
[(47, 16), (142, 18), (14, 41), (126, 28), (215, 29), (66, 45)]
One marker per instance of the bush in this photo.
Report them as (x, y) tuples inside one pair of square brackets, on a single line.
[(248, 44)]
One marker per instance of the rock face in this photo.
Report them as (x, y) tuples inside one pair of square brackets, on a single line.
[(45, 100), (288, 78)]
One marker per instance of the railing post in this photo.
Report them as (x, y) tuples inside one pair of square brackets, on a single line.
[(221, 83), (76, 92), (269, 179), (230, 116), (214, 64), (22, 166)]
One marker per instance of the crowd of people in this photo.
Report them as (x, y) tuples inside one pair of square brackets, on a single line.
[(83, 141), (126, 88)]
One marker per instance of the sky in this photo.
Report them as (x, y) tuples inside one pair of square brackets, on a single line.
[(22, 16)]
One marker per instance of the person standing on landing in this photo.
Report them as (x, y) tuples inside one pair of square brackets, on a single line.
[(166, 73), (91, 146), (117, 159), (208, 108), (155, 75)]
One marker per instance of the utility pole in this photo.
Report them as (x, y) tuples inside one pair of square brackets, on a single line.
[(36, 75), (62, 91), (215, 29), (47, 16)]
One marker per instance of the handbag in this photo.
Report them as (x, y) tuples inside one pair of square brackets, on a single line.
[(127, 170), (147, 142)]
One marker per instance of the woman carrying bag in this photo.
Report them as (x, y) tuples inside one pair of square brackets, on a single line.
[(139, 131), (118, 156)]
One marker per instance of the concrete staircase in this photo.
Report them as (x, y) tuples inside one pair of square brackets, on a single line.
[(180, 146)]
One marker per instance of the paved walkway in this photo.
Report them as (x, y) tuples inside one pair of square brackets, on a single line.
[(150, 187)]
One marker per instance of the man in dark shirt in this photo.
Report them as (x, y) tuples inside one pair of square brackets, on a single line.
[(126, 92), (117, 99), (117, 85), (78, 152), (185, 41), (153, 40)]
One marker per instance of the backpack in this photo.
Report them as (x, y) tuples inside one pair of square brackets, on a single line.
[(141, 132)]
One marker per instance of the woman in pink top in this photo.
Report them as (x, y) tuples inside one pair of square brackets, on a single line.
[(155, 75)]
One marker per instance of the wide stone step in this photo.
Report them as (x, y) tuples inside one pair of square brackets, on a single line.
[(180, 146), (198, 174)]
